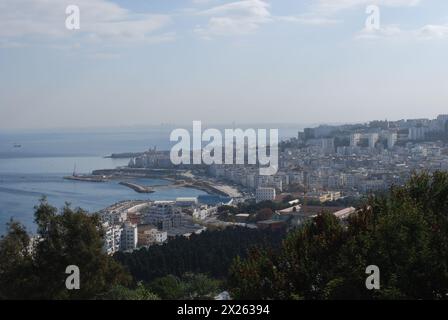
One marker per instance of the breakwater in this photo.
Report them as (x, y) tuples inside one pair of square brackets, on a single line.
[(136, 187)]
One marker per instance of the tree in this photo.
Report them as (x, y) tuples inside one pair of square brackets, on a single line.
[(264, 214), (189, 287), (200, 286), (210, 252), (120, 292), (404, 233), (71, 237), (16, 264), (169, 287), (288, 198)]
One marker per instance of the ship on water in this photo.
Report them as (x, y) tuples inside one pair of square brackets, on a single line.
[(83, 177), (17, 145)]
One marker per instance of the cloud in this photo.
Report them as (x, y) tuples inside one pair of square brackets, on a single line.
[(323, 11), (246, 16), (427, 32), (386, 31), (309, 19), (333, 6), (235, 18), (45, 20), (433, 32), (202, 2), (104, 56)]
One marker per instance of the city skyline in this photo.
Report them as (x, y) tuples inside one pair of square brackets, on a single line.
[(150, 62), (241, 151)]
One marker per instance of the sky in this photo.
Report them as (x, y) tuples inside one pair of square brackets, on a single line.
[(146, 62)]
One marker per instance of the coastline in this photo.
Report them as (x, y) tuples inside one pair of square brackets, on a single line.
[(180, 179)]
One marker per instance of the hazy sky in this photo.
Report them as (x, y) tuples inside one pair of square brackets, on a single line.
[(153, 61)]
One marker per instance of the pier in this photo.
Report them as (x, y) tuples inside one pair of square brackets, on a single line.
[(87, 178), (137, 188)]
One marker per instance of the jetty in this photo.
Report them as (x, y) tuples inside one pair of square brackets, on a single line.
[(136, 187), (87, 178)]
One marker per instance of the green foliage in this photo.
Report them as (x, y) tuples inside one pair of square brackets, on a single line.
[(36, 270), (404, 233), (286, 199), (16, 264), (209, 252), (120, 292), (262, 214), (189, 287), (200, 286), (169, 287), (227, 209)]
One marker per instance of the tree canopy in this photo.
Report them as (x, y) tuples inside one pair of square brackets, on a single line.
[(210, 252), (37, 269), (403, 232)]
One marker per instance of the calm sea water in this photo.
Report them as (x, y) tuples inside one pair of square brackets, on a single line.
[(37, 168), (23, 181)]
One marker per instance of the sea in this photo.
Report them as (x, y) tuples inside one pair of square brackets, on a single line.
[(33, 164)]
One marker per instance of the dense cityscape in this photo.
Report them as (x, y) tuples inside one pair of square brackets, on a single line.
[(234, 157), (324, 168)]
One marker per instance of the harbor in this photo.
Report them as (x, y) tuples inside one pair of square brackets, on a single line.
[(137, 187), (178, 178)]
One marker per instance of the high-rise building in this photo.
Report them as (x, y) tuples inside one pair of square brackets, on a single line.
[(265, 194), (417, 133), (443, 122), (112, 237), (163, 214), (373, 139), (129, 236), (354, 139), (309, 133), (148, 235), (392, 138), (327, 144)]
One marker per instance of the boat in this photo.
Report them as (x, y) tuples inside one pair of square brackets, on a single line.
[(85, 177), (17, 145)]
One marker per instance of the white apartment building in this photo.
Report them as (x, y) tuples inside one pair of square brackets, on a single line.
[(114, 217), (154, 236), (265, 194), (417, 133), (163, 214), (204, 211), (129, 236), (392, 139), (112, 237), (270, 182), (354, 139), (372, 139)]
